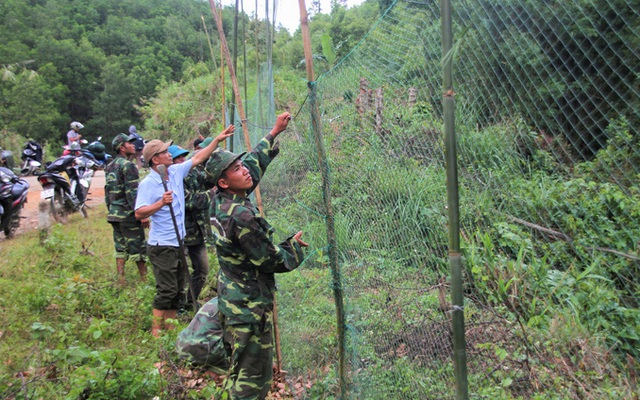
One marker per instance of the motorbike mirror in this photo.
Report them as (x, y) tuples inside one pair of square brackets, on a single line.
[(5, 178), (99, 138)]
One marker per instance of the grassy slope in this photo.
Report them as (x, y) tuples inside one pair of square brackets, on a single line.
[(59, 305), (69, 331)]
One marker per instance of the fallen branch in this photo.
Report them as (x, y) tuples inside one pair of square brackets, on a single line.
[(557, 234), (569, 239)]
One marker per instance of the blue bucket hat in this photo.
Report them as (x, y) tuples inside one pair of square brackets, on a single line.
[(177, 151)]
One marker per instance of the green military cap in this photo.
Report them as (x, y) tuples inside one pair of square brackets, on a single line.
[(220, 160), (119, 140), (205, 143)]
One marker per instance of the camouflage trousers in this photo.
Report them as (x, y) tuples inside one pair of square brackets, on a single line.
[(129, 240), (200, 264), (251, 349)]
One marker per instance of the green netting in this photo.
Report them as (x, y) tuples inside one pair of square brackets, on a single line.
[(259, 110), (547, 113)]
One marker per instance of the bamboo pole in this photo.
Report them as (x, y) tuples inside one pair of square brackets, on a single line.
[(326, 193), (222, 74), (244, 51), (244, 54), (276, 325), (215, 66), (455, 262), (232, 109), (206, 31), (260, 118), (227, 56)]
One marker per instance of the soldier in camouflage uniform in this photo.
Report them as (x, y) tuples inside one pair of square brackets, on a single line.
[(201, 342), (197, 199), (120, 191), (248, 261)]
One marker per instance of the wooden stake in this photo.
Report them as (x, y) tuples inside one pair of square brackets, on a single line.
[(227, 56), (245, 130), (306, 40)]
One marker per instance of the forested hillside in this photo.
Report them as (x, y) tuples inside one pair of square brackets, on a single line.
[(96, 61)]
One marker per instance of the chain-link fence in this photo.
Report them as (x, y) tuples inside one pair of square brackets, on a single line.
[(547, 112)]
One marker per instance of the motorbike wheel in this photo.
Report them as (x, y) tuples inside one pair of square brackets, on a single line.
[(83, 211), (58, 210), (12, 226), (26, 170)]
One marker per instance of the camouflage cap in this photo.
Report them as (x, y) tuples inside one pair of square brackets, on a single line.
[(153, 147), (220, 160), (119, 140)]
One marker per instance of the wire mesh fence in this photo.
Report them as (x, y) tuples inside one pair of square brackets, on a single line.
[(547, 113)]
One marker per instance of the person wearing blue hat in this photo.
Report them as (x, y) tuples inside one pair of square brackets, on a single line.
[(177, 152)]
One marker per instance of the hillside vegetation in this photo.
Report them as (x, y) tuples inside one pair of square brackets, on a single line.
[(97, 62), (548, 178)]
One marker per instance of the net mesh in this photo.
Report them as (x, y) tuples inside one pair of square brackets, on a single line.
[(548, 163)]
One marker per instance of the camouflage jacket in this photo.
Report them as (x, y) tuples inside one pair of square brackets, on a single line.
[(247, 255), (197, 198), (121, 189), (201, 342)]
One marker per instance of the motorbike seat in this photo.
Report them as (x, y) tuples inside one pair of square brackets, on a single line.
[(19, 187)]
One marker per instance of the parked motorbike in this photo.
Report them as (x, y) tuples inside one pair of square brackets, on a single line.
[(31, 158), (13, 195), (74, 149), (97, 150), (6, 159), (67, 196)]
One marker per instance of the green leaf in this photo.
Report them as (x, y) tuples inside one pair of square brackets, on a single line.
[(327, 49), (507, 382)]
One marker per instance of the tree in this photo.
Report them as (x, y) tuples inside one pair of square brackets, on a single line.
[(113, 106), (28, 104), (78, 66)]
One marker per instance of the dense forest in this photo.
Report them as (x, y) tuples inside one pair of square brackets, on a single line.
[(97, 61)]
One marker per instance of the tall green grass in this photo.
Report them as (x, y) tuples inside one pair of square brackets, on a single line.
[(68, 329)]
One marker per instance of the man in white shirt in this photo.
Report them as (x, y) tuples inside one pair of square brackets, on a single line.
[(163, 246)]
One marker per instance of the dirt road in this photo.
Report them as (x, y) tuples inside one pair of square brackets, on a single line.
[(30, 211)]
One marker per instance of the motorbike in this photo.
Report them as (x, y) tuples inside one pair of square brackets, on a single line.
[(96, 150), (13, 196), (31, 158), (6, 159), (67, 196)]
